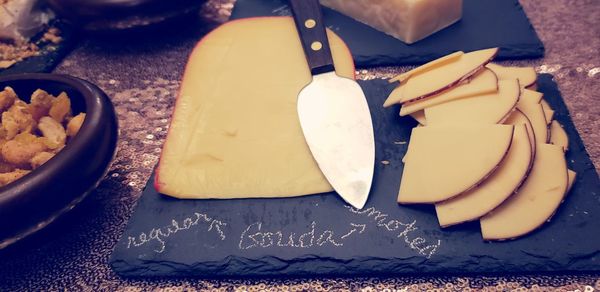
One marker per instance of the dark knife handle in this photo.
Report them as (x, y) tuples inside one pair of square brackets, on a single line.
[(311, 29)]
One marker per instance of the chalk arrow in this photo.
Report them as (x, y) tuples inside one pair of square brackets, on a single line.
[(356, 227)]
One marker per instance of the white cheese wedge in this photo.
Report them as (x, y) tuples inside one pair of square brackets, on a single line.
[(495, 189), (446, 161), (484, 82), (407, 20), (535, 202), (558, 136), (235, 131), (485, 109)]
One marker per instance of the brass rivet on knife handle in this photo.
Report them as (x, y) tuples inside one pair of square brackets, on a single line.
[(311, 29)]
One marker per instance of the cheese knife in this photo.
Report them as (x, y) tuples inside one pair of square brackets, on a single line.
[(334, 113)]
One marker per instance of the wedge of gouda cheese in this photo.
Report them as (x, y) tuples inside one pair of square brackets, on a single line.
[(446, 161), (535, 202), (486, 109), (407, 20), (444, 76), (502, 183), (235, 131)]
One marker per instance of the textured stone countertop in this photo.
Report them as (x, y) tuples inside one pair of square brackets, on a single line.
[(141, 75)]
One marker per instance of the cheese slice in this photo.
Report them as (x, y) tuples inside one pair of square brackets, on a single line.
[(558, 136), (443, 76), (518, 118), (419, 117), (526, 75), (407, 20), (495, 189), (427, 66), (484, 82), (535, 114), (487, 109), (530, 96), (535, 202), (548, 111), (446, 161), (235, 131), (572, 176)]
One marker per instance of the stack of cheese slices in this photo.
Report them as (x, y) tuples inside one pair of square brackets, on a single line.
[(487, 147)]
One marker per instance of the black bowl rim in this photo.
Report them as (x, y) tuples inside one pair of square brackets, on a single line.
[(84, 136)]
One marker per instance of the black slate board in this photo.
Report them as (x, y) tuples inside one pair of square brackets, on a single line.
[(485, 24), (50, 54), (169, 237)]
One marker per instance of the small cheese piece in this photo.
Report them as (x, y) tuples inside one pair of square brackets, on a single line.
[(443, 76), (535, 202), (407, 20), (526, 75), (494, 189), (419, 117), (427, 66), (531, 96), (558, 136), (548, 111), (486, 109), (235, 131), (535, 114), (446, 161), (484, 82), (572, 176), (517, 118)]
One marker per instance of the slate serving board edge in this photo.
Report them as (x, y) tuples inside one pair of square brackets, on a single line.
[(132, 263)]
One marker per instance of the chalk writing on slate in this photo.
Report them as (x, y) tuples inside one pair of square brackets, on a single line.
[(401, 229), (255, 237), (160, 234)]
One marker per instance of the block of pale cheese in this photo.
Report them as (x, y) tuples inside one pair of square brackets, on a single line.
[(407, 20), (235, 131)]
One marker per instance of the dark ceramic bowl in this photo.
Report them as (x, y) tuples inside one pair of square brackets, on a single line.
[(122, 14), (35, 200)]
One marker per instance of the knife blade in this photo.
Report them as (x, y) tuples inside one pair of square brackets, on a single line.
[(334, 113)]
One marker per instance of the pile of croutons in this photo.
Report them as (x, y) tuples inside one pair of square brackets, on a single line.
[(32, 133)]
